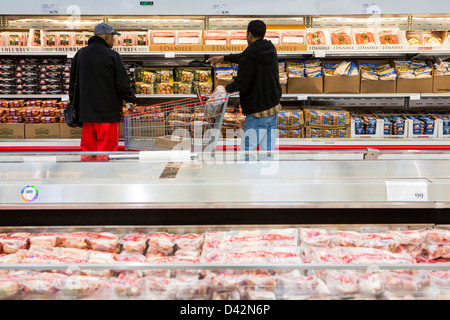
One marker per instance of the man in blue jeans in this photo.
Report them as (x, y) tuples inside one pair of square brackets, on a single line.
[(259, 88)]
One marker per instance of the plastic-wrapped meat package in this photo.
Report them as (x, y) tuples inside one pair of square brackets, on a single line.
[(315, 237), (341, 36), (356, 239), (9, 288), (169, 289), (189, 37), (216, 37), (369, 283), (81, 287), (358, 255), (72, 255), (134, 242), (188, 253), (275, 238), (163, 37), (238, 37), (412, 242), (438, 243), (44, 239), (400, 285), (11, 259), (161, 241), (126, 286), (341, 282), (189, 242), (172, 260), (99, 257), (43, 285), (74, 240), (15, 241), (103, 241), (41, 257), (298, 288), (256, 255)]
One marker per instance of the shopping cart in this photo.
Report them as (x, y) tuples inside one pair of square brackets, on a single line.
[(188, 124)]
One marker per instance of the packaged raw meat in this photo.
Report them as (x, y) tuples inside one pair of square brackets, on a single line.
[(162, 241), (251, 256), (190, 241), (315, 237), (103, 241), (317, 37), (82, 287), (126, 286), (44, 239), (356, 239), (13, 242), (9, 288), (341, 36), (74, 240), (341, 282)]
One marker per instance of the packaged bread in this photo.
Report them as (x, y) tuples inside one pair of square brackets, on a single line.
[(31, 112)]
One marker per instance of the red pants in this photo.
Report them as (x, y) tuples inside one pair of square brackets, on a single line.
[(97, 136)]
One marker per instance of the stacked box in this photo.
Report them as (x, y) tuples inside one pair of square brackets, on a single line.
[(53, 76), (327, 123), (27, 71), (8, 76)]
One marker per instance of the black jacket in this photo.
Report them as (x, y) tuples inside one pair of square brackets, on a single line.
[(99, 82), (257, 78)]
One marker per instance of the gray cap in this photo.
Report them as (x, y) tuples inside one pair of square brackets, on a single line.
[(104, 28)]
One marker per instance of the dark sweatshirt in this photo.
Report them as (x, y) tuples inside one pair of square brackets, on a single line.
[(99, 82), (257, 78)]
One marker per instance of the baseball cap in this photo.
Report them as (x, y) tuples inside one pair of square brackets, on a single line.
[(104, 28)]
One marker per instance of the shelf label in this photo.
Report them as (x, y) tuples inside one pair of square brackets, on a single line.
[(131, 49), (414, 96), (20, 49), (406, 190), (320, 54), (302, 97), (169, 55)]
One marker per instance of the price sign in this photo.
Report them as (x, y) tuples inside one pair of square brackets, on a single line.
[(169, 55), (406, 190)]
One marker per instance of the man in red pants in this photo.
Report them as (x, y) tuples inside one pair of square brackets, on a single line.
[(98, 85)]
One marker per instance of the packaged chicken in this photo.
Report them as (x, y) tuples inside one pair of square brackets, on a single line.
[(13, 242), (9, 288), (341, 36), (317, 37), (44, 239), (163, 37), (161, 241), (74, 240)]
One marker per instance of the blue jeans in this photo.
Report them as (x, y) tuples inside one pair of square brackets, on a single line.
[(260, 132)]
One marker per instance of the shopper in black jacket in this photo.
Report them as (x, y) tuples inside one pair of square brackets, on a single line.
[(98, 85), (259, 88)]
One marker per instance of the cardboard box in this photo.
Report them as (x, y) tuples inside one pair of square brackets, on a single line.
[(377, 86), (441, 84), (66, 132), (170, 142), (12, 131), (305, 85), (340, 84), (416, 85), (42, 131)]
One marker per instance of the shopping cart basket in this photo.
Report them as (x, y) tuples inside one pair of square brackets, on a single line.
[(187, 124)]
